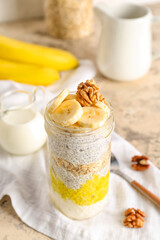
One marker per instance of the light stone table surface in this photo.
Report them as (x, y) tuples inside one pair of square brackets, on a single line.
[(136, 105)]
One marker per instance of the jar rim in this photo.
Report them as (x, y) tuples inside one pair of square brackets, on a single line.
[(86, 131)]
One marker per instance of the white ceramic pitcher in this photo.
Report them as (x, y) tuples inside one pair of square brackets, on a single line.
[(21, 124), (125, 45)]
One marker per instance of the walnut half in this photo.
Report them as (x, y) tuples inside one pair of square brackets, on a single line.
[(88, 93), (134, 218), (140, 163)]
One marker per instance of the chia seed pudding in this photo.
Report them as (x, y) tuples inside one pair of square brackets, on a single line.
[(79, 157)]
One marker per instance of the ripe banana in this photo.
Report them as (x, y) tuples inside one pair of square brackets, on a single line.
[(28, 74), (104, 107), (68, 113), (71, 96), (59, 99), (18, 51), (92, 117)]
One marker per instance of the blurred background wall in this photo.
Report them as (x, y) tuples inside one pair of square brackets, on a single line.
[(18, 9), (134, 1)]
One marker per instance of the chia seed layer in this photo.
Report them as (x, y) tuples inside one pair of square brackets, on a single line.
[(75, 182), (79, 149)]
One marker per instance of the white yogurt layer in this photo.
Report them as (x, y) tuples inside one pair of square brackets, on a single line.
[(74, 211)]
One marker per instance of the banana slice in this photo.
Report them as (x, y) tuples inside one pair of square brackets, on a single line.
[(74, 126), (104, 107), (70, 97), (59, 99), (92, 117), (68, 113)]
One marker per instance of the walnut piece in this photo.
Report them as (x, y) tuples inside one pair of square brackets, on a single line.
[(88, 93), (134, 218), (141, 213), (137, 158), (140, 163), (129, 211)]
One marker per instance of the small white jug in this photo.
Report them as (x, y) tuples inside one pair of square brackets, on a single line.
[(125, 46), (21, 124)]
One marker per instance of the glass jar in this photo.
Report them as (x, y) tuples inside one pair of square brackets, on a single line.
[(79, 163), (69, 19)]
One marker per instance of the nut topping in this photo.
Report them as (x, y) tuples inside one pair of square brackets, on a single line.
[(88, 93), (134, 218), (140, 163)]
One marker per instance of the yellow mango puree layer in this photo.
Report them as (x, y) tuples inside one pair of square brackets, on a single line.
[(91, 192)]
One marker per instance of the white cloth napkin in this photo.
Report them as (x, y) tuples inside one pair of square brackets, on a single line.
[(24, 179)]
